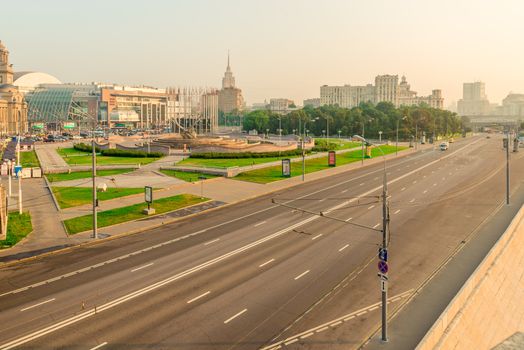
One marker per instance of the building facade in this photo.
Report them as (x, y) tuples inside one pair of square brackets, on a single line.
[(13, 107), (474, 100), (312, 102), (386, 89), (230, 99)]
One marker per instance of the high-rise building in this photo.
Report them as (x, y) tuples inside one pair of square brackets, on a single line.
[(386, 89), (474, 100), (281, 105), (229, 97), (13, 108)]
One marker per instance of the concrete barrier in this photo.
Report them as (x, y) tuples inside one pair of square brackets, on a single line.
[(489, 307), (63, 170), (144, 148)]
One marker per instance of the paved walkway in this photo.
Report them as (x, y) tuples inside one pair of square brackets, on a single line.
[(48, 156), (49, 234)]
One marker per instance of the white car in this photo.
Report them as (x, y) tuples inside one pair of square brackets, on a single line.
[(444, 146)]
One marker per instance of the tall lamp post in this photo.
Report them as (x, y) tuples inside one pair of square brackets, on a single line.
[(383, 256), (398, 122)]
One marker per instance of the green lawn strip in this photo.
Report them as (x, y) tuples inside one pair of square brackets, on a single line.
[(228, 162), (186, 176), (85, 174), (74, 157), (274, 173), (18, 226), (341, 144), (132, 212), (29, 159), (68, 197)]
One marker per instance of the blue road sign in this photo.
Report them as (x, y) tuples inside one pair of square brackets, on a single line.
[(383, 254), (383, 266)]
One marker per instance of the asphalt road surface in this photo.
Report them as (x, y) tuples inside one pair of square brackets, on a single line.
[(261, 274)]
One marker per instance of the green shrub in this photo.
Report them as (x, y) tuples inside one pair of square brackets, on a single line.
[(323, 146), (85, 147), (213, 155), (132, 154)]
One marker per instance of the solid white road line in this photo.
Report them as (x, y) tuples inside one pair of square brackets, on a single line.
[(198, 297), (371, 207), (113, 303), (396, 212), (234, 316), (260, 223), (344, 247), (317, 236), (302, 274), (142, 267), (213, 241), (334, 322), (99, 346), (348, 219), (119, 258), (42, 303), (377, 225), (267, 262)]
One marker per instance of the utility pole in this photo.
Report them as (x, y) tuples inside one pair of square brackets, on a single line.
[(385, 222), (396, 144), (19, 176), (95, 200), (507, 167)]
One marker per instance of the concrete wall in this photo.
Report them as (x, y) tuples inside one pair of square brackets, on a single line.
[(489, 308)]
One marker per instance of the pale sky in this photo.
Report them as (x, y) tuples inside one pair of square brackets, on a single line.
[(279, 48)]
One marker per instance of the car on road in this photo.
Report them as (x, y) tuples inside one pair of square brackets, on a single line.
[(444, 146)]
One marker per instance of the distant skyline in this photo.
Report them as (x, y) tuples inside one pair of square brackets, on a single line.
[(278, 48)]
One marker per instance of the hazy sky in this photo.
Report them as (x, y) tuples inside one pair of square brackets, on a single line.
[(279, 48)]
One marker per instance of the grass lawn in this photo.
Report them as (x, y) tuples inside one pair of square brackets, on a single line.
[(84, 174), (274, 173), (68, 197), (186, 176), (132, 212), (18, 226), (228, 162), (29, 159), (74, 157), (341, 144)]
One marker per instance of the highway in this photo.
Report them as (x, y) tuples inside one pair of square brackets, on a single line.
[(258, 274)]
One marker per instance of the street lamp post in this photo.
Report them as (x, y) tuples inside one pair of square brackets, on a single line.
[(507, 168), (385, 239), (380, 137), (398, 122), (280, 128), (339, 134)]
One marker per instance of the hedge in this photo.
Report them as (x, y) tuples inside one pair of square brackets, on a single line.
[(85, 147), (117, 152), (217, 155), (132, 154)]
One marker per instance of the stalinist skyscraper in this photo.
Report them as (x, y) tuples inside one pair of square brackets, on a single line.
[(230, 100)]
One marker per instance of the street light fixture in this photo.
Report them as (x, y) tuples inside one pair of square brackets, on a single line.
[(384, 248), (398, 121)]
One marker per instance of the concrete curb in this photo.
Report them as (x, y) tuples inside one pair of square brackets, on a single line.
[(52, 194), (402, 154)]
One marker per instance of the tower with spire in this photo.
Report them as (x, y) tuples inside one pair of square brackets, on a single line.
[(228, 81), (230, 100)]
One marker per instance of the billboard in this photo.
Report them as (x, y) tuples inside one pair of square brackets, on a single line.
[(38, 126), (286, 167), (69, 125), (332, 158)]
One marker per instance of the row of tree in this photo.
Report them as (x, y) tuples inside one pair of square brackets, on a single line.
[(367, 119)]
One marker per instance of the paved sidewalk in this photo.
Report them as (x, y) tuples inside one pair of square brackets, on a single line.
[(48, 156), (49, 234)]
